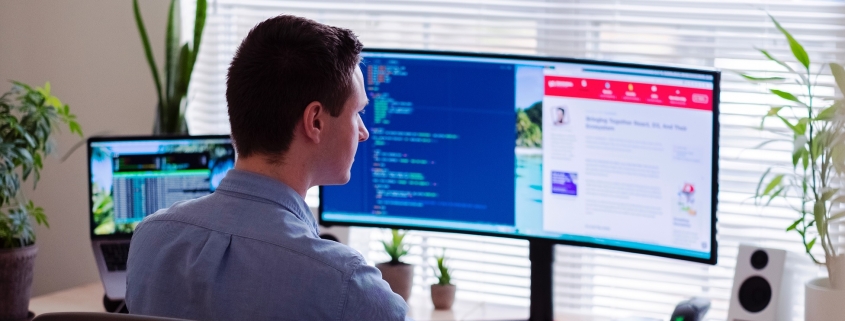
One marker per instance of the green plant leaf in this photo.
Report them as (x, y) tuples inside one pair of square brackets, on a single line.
[(37, 213), (773, 111), (839, 75), (797, 155), (819, 212), (171, 50), (184, 77), (442, 272), (828, 194), (775, 182), (801, 126), (761, 79), (395, 248), (760, 183), (809, 245), (787, 123), (805, 158), (75, 128), (828, 113), (779, 62), (797, 49), (777, 193), (199, 26), (797, 128), (148, 52), (794, 224), (786, 95)]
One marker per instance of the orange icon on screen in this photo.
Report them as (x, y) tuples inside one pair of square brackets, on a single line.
[(631, 87)]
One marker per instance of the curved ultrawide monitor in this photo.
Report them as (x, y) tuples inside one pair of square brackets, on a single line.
[(581, 152)]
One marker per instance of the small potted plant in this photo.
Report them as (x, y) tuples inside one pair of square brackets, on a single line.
[(442, 293), (812, 186), (398, 274), (28, 117)]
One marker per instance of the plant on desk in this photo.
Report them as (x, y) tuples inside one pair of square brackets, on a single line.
[(442, 293), (28, 117), (399, 275), (812, 187)]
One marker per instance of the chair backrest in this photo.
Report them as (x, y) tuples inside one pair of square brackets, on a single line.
[(95, 316)]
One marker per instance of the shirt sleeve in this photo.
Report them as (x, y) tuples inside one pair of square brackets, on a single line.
[(370, 298)]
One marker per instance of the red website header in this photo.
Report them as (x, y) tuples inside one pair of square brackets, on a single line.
[(631, 92)]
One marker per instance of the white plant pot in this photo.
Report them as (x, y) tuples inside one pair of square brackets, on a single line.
[(822, 303)]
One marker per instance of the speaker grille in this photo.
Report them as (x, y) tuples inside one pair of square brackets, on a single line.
[(755, 293), (759, 259)]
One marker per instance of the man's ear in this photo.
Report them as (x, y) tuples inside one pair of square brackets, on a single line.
[(312, 121)]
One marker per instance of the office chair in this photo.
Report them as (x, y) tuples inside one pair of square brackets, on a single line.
[(94, 316)]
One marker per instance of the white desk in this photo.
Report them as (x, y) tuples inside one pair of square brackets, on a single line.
[(89, 298)]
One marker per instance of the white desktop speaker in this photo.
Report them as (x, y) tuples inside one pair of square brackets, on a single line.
[(767, 284)]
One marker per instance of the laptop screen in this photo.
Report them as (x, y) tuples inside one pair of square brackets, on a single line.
[(132, 177)]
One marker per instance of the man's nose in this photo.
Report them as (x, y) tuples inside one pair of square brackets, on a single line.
[(363, 133)]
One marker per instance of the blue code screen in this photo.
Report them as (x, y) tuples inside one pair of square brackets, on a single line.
[(441, 143)]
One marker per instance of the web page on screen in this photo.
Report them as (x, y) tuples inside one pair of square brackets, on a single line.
[(579, 152)]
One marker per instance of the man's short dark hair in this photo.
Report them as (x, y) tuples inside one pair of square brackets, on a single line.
[(282, 65)]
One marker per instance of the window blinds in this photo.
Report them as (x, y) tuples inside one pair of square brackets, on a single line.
[(713, 33)]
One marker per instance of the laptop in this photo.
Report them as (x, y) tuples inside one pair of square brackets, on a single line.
[(130, 178)]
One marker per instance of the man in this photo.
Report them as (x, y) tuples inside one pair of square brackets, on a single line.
[(560, 114), (251, 250)]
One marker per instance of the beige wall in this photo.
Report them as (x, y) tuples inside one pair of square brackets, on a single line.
[(90, 52)]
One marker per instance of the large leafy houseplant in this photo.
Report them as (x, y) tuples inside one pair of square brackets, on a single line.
[(178, 67), (816, 130), (28, 117)]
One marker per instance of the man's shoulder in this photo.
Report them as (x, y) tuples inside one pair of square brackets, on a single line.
[(271, 228)]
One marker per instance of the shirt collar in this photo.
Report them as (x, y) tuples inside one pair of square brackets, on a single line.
[(269, 189)]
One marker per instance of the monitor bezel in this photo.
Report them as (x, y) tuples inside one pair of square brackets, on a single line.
[(96, 139), (715, 161)]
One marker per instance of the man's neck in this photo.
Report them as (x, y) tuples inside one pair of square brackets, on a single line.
[(293, 174)]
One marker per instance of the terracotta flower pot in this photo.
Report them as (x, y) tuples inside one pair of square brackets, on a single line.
[(399, 276), (16, 282), (443, 296)]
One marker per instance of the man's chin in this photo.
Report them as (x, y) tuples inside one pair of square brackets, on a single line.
[(338, 180)]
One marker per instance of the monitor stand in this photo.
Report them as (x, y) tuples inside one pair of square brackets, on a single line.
[(542, 255)]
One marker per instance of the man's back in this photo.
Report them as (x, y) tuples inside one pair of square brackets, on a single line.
[(250, 251)]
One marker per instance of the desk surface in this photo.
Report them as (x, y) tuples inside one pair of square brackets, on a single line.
[(89, 298)]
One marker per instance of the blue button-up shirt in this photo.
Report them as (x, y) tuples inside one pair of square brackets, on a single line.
[(250, 251)]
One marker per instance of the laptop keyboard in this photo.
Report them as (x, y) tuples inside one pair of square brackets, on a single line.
[(115, 255)]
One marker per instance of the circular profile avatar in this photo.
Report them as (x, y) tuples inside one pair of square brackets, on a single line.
[(560, 116)]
